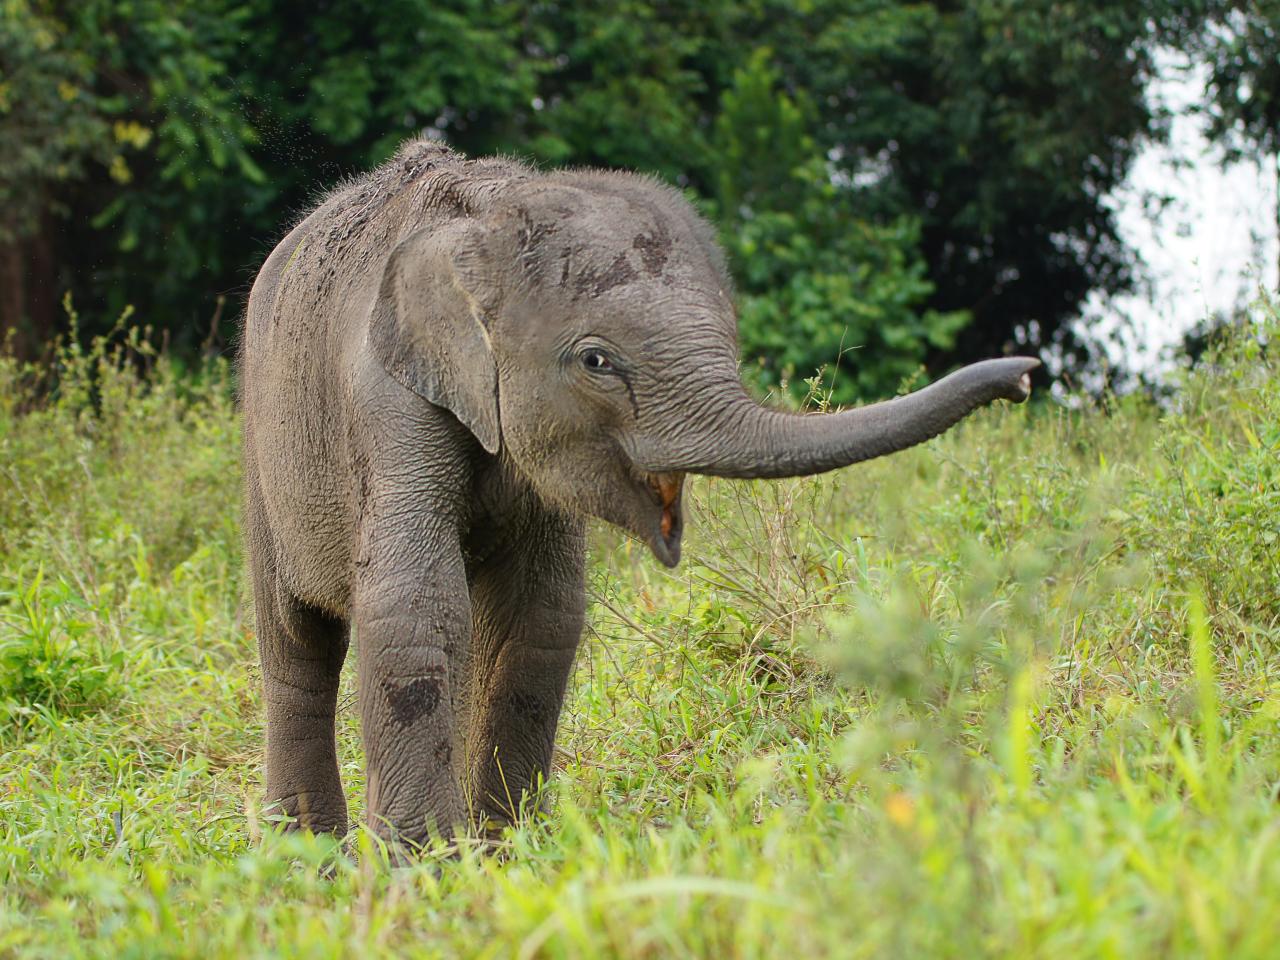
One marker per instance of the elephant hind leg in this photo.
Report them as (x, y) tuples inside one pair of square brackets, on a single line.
[(514, 735), (301, 651), (528, 607)]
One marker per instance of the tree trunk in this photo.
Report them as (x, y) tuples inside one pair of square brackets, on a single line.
[(28, 293)]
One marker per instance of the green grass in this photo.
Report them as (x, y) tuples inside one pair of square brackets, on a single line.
[(1013, 693)]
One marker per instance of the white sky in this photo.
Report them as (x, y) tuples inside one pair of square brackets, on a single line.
[(1205, 252)]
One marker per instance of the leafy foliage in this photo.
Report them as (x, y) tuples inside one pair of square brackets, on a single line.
[(1243, 53), (43, 660), (51, 133), (1242, 50), (904, 181), (139, 147), (818, 284)]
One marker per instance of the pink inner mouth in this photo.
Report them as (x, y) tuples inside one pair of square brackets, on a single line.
[(667, 486)]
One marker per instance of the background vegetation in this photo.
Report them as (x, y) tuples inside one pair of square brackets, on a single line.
[(896, 182), (1012, 693)]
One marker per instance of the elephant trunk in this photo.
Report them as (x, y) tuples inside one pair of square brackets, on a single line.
[(749, 441)]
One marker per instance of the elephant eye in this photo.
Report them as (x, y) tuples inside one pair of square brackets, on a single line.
[(596, 361)]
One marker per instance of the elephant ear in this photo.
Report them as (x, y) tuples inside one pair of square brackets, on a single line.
[(428, 326)]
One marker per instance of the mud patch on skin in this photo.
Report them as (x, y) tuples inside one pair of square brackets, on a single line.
[(654, 249), (532, 234), (414, 700), (594, 284)]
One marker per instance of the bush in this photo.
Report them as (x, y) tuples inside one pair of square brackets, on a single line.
[(119, 470), (48, 654)]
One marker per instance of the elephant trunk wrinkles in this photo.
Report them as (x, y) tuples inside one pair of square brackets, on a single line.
[(748, 441)]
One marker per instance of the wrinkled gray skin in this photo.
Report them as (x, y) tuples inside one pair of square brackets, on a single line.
[(446, 367)]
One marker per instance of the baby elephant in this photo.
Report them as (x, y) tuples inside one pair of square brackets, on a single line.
[(446, 367)]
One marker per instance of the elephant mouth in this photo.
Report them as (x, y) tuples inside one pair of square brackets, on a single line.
[(668, 525)]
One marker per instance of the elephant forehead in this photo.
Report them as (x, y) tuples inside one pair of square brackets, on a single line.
[(640, 279), (644, 314), (588, 243), (586, 259)]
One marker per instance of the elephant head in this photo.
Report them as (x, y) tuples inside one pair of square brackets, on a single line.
[(582, 327)]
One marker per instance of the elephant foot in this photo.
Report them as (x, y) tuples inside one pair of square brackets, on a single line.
[(317, 813)]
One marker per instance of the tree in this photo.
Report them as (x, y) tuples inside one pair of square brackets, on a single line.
[(819, 285), (126, 158), (1242, 51), (51, 132), (903, 182)]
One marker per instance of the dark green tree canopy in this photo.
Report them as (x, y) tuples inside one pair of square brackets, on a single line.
[(895, 183)]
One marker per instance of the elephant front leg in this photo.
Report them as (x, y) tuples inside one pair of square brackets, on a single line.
[(528, 609), (412, 641)]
